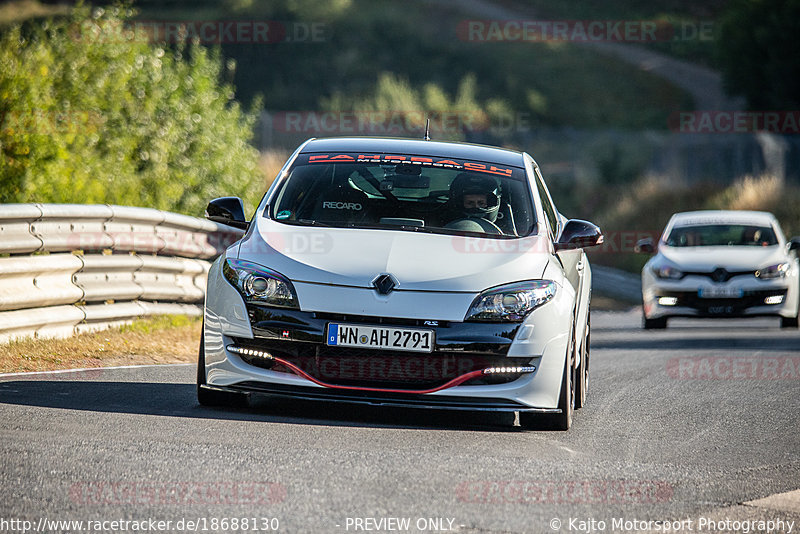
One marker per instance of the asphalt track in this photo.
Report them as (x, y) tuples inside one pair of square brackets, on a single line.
[(681, 423)]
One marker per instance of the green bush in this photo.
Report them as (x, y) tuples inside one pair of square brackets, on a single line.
[(760, 53), (93, 114)]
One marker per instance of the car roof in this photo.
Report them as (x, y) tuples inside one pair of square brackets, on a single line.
[(687, 218), (392, 145)]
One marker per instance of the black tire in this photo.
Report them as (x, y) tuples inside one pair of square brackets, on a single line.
[(582, 378), (789, 322), (566, 403), (209, 397), (654, 324)]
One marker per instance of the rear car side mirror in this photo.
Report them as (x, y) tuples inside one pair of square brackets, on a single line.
[(579, 234), (794, 243), (645, 246), (227, 210)]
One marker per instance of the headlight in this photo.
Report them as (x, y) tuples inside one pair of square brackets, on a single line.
[(260, 285), (512, 302), (667, 271), (773, 271)]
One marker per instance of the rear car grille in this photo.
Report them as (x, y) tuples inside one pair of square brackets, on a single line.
[(386, 369)]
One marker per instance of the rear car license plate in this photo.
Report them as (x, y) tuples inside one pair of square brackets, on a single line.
[(379, 337)]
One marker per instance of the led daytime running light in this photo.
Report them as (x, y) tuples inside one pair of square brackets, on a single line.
[(250, 352), (509, 370)]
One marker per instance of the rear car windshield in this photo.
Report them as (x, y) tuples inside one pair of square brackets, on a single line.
[(413, 193), (714, 235)]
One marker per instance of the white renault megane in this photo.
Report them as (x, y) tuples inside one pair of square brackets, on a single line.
[(721, 264), (402, 272)]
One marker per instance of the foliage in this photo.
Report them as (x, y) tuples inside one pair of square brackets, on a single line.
[(450, 117), (760, 52), (92, 114), (417, 43)]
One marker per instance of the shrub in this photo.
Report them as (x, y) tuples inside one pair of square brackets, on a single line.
[(92, 114)]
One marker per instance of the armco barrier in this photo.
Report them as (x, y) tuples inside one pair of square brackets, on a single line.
[(71, 268)]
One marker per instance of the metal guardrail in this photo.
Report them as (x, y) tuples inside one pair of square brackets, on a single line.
[(71, 268)]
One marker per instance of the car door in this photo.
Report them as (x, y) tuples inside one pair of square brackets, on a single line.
[(573, 261)]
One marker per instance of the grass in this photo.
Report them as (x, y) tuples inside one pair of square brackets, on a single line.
[(19, 10), (554, 84), (154, 340)]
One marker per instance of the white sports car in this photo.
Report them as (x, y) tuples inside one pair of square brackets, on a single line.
[(721, 264), (402, 272)]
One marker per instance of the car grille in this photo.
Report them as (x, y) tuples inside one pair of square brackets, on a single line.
[(720, 274), (386, 369)]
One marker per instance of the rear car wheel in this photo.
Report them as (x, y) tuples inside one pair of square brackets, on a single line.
[(582, 381), (208, 397)]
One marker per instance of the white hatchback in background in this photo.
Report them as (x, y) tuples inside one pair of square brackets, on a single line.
[(721, 264)]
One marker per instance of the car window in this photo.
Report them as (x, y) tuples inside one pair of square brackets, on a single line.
[(714, 235), (414, 193)]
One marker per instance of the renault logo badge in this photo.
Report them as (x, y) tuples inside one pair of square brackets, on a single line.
[(384, 284)]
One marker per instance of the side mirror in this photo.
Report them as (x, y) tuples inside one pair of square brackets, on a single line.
[(645, 246), (227, 210), (579, 234), (794, 243)]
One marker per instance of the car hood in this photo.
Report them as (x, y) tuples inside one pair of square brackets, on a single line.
[(418, 261), (706, 259)]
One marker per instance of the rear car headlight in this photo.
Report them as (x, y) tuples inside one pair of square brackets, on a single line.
[(773, 271), (667, 271), (260, 285), (512, 302)]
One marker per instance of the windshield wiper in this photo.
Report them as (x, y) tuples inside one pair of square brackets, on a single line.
[(312, 222)]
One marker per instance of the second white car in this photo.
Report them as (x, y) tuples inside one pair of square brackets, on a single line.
[(721, 264)]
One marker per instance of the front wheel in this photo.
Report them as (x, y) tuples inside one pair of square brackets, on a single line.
[(655, 324), (566, 403), (789, 322), (209, 397)]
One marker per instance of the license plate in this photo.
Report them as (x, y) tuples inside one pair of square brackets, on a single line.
[(378, 337), (719, 293)]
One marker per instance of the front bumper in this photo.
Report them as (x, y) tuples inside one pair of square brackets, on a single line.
[(682, 298), (301, 365)]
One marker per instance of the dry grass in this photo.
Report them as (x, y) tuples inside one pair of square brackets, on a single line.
[(270, 164), (156, 340), (646, 206), (753, 193), (19, 10)]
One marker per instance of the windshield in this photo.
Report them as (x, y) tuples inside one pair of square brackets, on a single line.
[(412, 193), (714, 235)]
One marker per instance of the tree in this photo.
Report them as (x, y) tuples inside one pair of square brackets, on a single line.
[(759, 52), (92, 113)]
